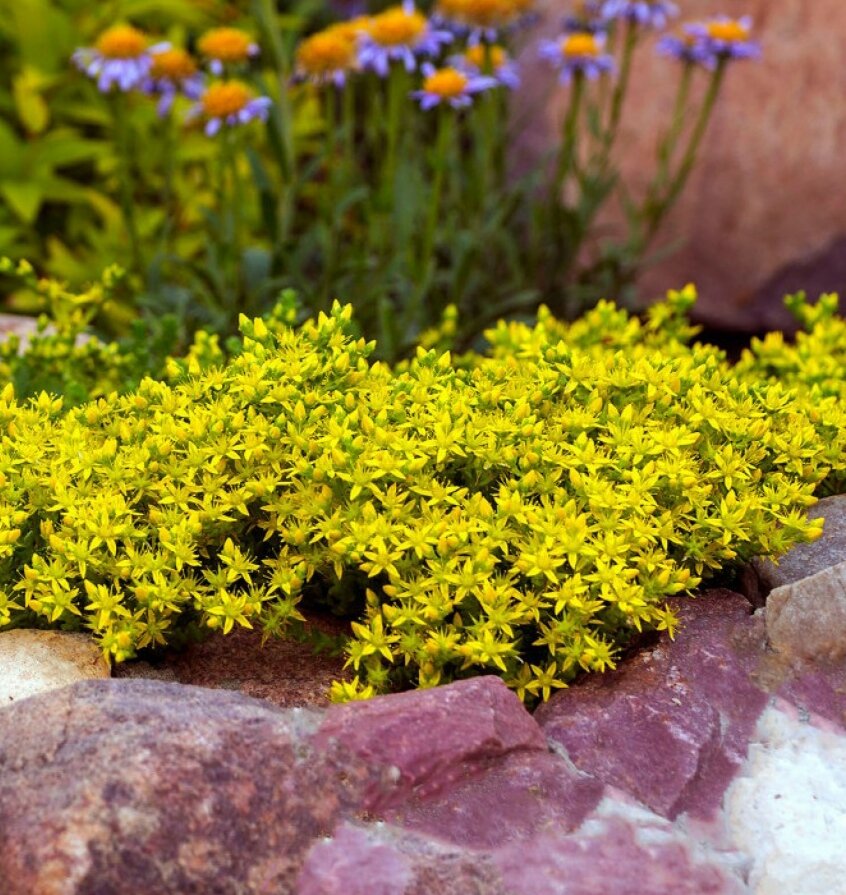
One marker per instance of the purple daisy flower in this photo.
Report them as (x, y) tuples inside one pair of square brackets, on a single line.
[(727, 38), (229, 104), (121, 58), (226, 46), (399, 34), (687, 48), (586, 16), (651, 13), (502, 68), (172, 72), (579, 51), (451, 86)]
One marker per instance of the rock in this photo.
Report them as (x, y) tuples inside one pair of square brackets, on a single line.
[(806, 620), (477, 722), (670, 727), (284, 672), (806, 560), (384, 860), (34, 661), (135, 785), (758, 201), (622, 849), (141, 786), (787, 809)]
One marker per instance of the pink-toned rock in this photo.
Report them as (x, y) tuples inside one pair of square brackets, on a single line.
[(432, 739), (671, 725), (526, 793), (762, 196), (621, 850), (383, 860)]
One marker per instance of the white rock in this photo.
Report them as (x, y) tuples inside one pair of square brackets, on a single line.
[(787, 808), (34, 661)]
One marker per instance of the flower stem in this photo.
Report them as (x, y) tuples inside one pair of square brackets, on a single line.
[(569, 135), (621, 88), (439, 164), (658, 206), (127, 203)]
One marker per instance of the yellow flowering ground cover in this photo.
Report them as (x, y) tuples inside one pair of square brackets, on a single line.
[(523, 512)]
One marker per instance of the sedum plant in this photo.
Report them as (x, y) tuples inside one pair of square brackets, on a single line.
[(525, 512)]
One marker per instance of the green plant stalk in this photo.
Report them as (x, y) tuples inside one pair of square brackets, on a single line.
[(621, 88), (232, 197), (169, 195), (397, 98), (439, 164), (569, 137), (656, 208), (331, 194), (667, 147), (127, 203)]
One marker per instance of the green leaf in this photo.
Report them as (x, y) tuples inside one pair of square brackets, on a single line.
[(23, 197), (30, 104)]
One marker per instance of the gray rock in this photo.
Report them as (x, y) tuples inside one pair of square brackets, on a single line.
[(804, 560), (34, 661), (806, 620)]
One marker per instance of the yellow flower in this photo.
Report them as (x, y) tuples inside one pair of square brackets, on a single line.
[(175, 64), (226, 45), (122, 42)]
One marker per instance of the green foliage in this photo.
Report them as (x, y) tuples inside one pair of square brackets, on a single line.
[(525, 513), (347, 191), (63, 358)]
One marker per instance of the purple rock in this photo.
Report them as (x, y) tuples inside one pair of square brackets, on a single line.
[(670, 726), (432, 739), (515, 798), (621, 851)]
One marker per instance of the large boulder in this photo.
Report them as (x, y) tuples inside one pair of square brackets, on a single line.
[(759, 207)]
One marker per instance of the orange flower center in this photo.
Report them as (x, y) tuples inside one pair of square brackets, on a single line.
[(175, 64), (121, 42), (226, 44), (225, 98), (395, 27), (350, 29), (325, 52), (731, 31), (480, 56), (446, 83), (483, 13), (580, 44)]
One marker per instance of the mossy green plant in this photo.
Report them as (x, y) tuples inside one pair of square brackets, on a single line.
[(524, 513)]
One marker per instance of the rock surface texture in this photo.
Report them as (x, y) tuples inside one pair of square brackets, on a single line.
[(712, 763), (35, 661)]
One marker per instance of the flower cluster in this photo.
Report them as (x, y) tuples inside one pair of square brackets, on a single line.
[(399, 34), (523, 514), (124, 58), (450, 86), (707, 43)]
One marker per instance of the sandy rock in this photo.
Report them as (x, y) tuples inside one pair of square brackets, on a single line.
[(670, 727), (806, 560), (34, 661), (806, 620), (787, 809)]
